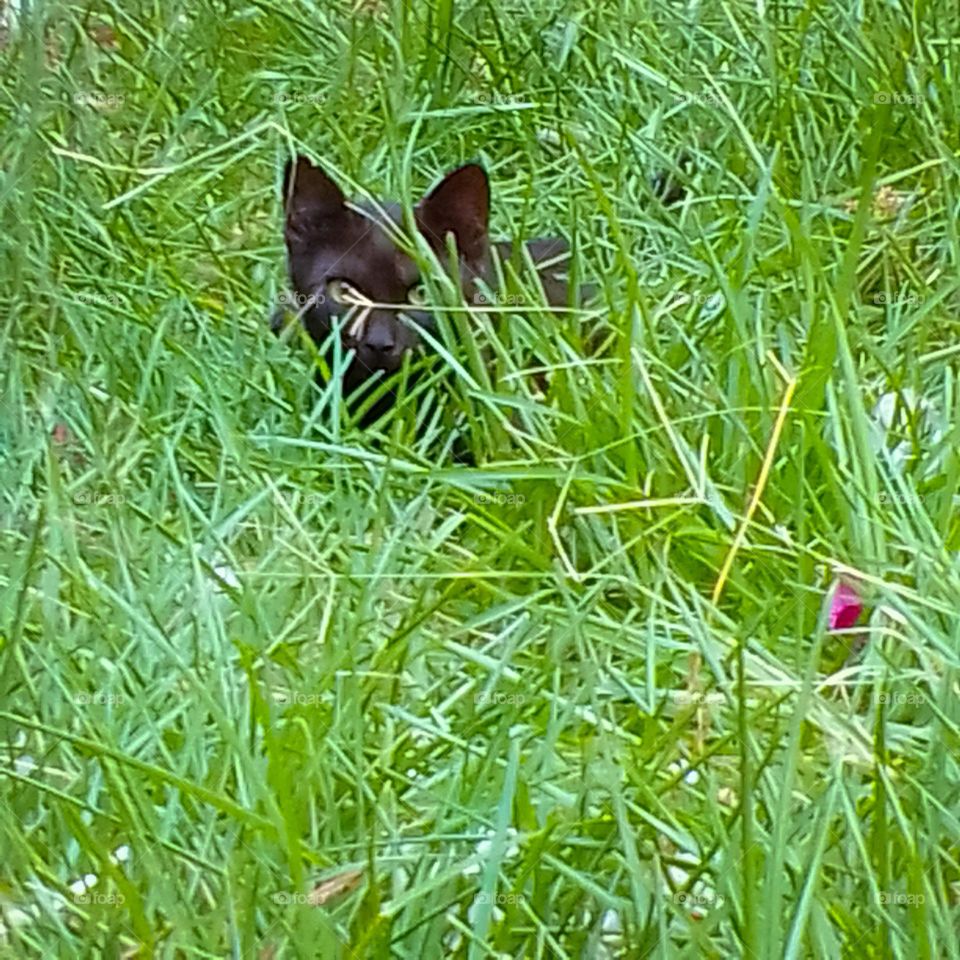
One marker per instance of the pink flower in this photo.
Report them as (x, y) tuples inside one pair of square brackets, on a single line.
[(845, 607)]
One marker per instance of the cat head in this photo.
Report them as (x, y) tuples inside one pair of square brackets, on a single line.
[(343, 263)]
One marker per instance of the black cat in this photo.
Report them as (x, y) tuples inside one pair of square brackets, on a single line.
[(343, 264)]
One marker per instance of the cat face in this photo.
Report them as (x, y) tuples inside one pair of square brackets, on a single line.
[(344, 265)]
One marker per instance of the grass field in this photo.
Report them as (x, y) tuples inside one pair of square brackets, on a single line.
[(273, 686)]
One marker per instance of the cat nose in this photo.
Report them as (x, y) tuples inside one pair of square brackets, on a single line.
[(380, 337)]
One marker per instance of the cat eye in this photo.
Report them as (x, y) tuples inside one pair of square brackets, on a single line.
[(417, 295), (339, 291)]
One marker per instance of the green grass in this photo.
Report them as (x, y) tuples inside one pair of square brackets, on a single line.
[(532, 703)]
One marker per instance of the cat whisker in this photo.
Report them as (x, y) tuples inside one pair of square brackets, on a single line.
[(355, 330), (354, 298)]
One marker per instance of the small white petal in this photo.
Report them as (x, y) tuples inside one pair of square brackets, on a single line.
[(25, 765), (610, 922), (227, 575)]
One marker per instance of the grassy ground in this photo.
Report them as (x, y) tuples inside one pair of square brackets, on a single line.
[(275, 687)]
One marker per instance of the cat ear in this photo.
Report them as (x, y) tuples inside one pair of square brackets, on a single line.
[(309, 195), (459, 204)]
